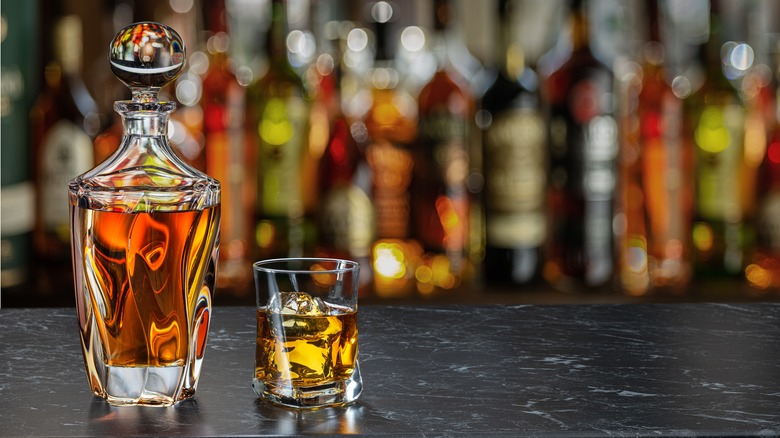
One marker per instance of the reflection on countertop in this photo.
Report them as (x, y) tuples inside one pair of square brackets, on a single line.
[(446, 370)]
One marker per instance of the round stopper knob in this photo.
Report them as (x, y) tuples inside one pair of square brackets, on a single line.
[(146, 56)]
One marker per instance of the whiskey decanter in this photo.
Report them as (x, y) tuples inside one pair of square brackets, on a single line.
[(145, 237)]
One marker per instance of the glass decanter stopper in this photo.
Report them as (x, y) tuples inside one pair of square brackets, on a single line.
[(145, 237)]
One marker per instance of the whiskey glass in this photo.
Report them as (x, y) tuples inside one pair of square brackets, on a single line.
[(145, 237), (307, 334)]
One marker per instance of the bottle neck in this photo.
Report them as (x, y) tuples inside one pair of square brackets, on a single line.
[(512, 59), (217, 46), (218, 42), (383, 75), (580, 31), (382, 47), (653, 50), (216, 16), (67, 44), (442, 16), (439, 48), (145, 119), (277, 32), (654, 21), (709, 52)]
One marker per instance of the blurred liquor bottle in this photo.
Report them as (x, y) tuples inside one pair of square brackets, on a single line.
[(515, 163), (18, 67), (760, 88), (277, 126), (583, 150), (115, 15), (63, 122), (715, 121), (439, 195), (346, 217), (226, 153), (186, 124), (763, 269), (391, 126), (345, 220), (656, 174), (321, 75), (324, 74)]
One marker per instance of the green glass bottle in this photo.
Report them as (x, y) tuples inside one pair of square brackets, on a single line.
[(715, 123), (277, 125)]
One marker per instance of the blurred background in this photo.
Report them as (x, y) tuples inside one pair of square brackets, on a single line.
[(491, 151)]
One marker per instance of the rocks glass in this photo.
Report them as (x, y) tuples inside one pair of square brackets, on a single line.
[(307, 335)]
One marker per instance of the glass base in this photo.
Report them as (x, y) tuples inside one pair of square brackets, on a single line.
[(146, 386), (331, 394)]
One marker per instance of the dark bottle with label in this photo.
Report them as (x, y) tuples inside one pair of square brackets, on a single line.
[(440, 197), (583, 151), (515, 166), (18, 63)]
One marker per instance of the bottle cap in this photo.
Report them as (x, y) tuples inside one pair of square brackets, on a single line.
[(146, 57)]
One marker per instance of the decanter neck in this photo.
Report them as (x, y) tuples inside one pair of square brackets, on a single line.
[(145, 119)]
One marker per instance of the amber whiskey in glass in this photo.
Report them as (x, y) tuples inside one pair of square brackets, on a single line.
[(144, 235)]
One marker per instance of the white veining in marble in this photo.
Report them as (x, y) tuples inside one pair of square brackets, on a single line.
[(601, 370)]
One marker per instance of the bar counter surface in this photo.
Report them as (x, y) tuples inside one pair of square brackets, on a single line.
[(442, 371)]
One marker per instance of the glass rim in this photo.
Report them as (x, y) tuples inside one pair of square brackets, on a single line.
[(268, 265)]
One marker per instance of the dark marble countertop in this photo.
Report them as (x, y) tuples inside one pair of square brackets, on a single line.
[(563, 370)]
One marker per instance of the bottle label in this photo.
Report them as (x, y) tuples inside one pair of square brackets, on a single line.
[(718, 137), (444, 141), (17, 209), (441, 168), (599, 159), (282, 131), (347, 221), (67, 153), (392, 167), (515, 179)]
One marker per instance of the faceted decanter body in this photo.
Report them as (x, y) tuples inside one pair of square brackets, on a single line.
[(144, 234)]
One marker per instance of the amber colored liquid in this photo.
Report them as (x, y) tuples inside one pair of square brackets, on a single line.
[(392, 165), (656, 189), (763, 268), (145, 273), (439, 193), (315, 350), (227, 156)]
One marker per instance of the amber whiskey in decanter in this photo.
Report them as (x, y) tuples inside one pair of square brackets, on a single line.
[(144, 234)]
